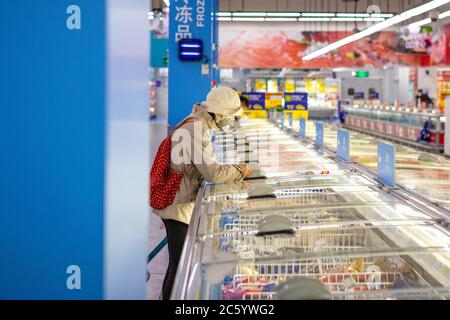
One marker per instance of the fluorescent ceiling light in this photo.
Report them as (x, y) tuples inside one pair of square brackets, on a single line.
[(420, 23), (281, 19), (248, 19), (378, 27), (374, 19), (317, 14), (224, 14), (444, 15), (347, 19), (224, 19), (313, 19), (360, 15), (382, 15), (249, 14), (283, 14)]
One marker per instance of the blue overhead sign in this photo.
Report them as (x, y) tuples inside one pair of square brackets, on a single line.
[(256, 100), (296, 101)]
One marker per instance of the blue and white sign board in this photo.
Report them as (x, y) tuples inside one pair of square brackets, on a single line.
[(189, 81), (296, 101), (343, 144), (386, 163), (319, 134), (256, 100), (302, 130)]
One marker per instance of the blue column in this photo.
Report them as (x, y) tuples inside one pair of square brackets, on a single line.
[(56, 103), (187, 83), (52, 132)]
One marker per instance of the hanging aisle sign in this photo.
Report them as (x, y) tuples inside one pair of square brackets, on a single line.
[(296, 101), (256, 100), (386, 164)]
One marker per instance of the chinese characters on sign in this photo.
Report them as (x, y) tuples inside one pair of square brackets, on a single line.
[(183, 19), (184, 11)]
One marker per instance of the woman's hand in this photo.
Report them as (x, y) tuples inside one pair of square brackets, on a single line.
[(245, 169)]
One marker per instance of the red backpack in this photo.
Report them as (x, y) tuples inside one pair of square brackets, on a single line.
[(164, 181)]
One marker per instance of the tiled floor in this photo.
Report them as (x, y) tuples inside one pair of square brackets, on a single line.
[(157, 267)]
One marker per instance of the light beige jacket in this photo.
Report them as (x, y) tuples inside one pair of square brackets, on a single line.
[(207, 168)]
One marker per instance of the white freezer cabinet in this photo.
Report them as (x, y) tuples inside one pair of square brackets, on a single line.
[(248, 240)]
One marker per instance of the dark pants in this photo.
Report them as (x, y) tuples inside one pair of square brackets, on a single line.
[(176, 233)]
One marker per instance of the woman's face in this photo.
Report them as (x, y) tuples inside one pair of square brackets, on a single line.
[(224, 122)]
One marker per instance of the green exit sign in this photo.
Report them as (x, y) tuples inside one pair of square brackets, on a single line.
[(361, 74)]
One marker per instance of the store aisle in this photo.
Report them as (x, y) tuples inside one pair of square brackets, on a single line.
[(157, 267)]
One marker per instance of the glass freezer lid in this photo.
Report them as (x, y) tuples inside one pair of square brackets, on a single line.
[(321, 180), (331, 237), (308, 198), (249, 220), (385, 272)]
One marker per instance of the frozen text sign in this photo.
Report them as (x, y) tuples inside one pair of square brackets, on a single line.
[(189, 82)]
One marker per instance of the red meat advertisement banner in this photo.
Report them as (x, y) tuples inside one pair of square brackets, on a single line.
[(279, 49)]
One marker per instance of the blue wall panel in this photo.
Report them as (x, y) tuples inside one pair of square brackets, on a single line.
[(52, 121)]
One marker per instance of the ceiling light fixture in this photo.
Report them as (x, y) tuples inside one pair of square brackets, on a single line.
[(358, 15), (378, 27), (420, 23), (249, 14), (444, 15), (283, 14), (248, 19), (318, 14), (347, 19), (313, 19), (423, 22), (281, 19)]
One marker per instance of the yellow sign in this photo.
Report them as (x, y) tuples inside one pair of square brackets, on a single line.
[(260, 85), (321, 86), (274, 100), (290, 85), (309, 86)]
